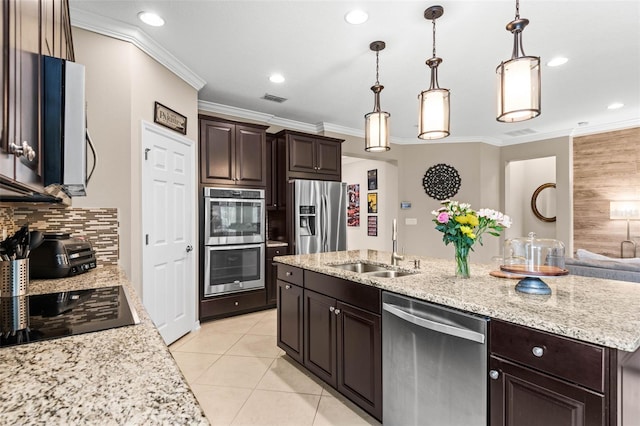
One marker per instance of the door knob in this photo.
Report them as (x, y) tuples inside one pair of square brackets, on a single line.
[(189, 248), (337, 311), (494, 374), (537, 351)]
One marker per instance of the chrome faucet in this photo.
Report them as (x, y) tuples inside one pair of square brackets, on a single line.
[(395, 257)]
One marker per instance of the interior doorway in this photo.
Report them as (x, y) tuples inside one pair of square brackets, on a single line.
[(168, 230), (522, 179)]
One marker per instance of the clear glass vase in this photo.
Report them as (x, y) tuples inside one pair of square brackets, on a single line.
[(462, 261)]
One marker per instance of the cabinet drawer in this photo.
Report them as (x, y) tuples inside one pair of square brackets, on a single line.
[(276, 251), (575, 361), (232, 304), (359, 295), (290, 274)]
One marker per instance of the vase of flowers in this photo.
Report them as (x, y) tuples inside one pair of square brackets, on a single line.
[(464, 226)]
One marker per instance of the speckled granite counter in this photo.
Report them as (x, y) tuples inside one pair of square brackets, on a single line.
[(114, 377), (594, 310)]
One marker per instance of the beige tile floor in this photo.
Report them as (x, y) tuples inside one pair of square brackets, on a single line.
[(241, 377)]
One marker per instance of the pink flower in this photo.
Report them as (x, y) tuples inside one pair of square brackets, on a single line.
[(443, 217)]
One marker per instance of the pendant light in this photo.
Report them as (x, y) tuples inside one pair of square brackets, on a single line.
[(518, 79), (433, 120), (376, 123)]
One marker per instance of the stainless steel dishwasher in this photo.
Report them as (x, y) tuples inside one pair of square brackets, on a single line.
[(434, 364)]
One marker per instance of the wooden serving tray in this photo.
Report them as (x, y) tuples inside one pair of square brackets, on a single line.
[(500, 274), (536, 271)]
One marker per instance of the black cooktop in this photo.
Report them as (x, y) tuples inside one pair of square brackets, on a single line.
[(26, 319)]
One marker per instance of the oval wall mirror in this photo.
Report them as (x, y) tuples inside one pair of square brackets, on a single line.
[(543, 202)]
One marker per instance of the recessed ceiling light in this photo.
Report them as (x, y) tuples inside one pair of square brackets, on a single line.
[(556, 62), (151, 18), (276, 78), (615, 105), (356, 17)]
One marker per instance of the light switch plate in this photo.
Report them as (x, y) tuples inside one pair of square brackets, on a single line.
[(410, 221)]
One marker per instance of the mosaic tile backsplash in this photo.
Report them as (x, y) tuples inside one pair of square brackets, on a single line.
[(98, 225)]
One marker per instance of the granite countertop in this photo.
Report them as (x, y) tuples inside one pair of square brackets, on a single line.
[(604, 312), (273, 243), (119, 376)]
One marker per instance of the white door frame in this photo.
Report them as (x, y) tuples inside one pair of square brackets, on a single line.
[(147, 225)]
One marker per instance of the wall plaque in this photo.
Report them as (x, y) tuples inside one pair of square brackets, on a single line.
[(169, 118)]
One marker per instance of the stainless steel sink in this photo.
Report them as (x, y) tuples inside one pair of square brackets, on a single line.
[(390, 274), (360, 267)]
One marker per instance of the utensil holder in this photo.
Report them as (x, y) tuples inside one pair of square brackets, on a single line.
[(14, 277)]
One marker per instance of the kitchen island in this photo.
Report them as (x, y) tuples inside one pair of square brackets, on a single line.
[(576, 349), (118, 376)]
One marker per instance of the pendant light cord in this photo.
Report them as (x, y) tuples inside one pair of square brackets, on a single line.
[(517, 9), (377, 67), (434, 36)]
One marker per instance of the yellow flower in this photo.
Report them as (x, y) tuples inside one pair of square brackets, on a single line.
[(468, 232), (461, 219), (473, 220)]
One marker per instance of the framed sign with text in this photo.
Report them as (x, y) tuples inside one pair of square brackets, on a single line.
[(169, 118)]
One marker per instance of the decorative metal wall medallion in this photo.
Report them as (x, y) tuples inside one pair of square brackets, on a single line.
[(441, 181)]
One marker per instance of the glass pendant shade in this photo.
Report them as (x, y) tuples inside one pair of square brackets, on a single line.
[(376, 131), (518, 89), (433, 122)]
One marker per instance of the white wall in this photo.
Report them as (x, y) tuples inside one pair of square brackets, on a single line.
[(479, 168), (122, 83), (355, 172), (560, 149), (521, 180)]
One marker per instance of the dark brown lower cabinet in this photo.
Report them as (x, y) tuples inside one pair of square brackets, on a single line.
[(232, 304), (524, 397), (342, 346), (320, 352), (271, 273), (360, 357), (290, 319)]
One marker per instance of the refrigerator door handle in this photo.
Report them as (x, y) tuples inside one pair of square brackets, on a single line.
[(325, 223)]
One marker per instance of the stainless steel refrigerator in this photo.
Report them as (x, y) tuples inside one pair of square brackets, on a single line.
[(319, 216)]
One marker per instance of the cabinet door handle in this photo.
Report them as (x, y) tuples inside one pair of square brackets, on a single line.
[(288, 287), (22, 150), (236, 303), (337, 311), (332, 309), (288, 274), (494, 374), (277, 251), (537, 351)]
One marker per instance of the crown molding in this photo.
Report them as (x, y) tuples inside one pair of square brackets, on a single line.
[(603, 128), (248, 114), (137, 37)]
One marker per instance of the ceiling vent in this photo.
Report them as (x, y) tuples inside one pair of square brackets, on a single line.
[(273, 98), (521, 132)]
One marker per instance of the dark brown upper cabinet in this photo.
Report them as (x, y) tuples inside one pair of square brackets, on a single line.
[(312, 156), (27, 27), (275, 194), (232, 153)]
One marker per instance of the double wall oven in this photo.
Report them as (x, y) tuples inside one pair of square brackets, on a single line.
[(234, 238)]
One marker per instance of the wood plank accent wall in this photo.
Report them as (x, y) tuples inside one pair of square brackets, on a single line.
[(606, 167)]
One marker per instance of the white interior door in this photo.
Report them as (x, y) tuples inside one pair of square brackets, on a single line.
[(168, 231)]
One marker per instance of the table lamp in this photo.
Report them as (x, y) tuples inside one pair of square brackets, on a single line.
[(628, 210)]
